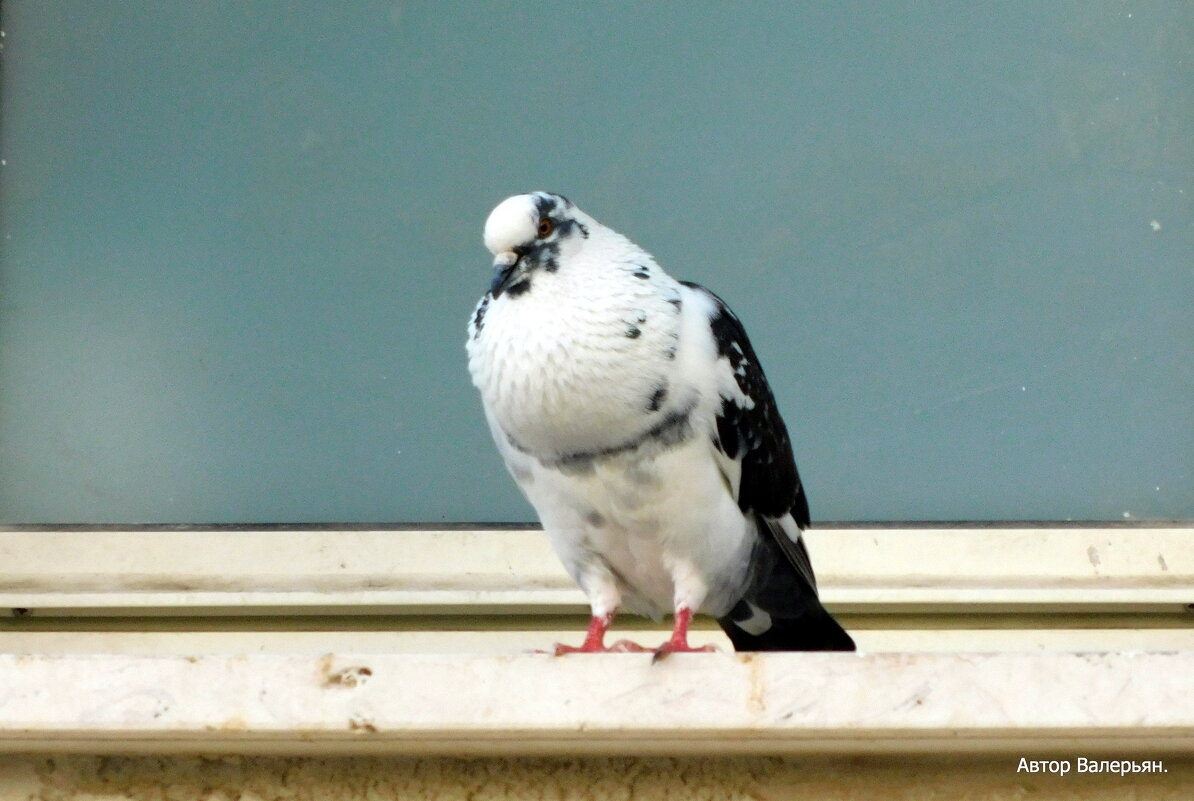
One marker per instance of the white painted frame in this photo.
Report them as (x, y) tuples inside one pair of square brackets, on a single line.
[(980, 639), (505, 570)]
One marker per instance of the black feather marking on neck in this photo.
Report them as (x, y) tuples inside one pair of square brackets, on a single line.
[(674, 428), (549, 256), (519, 289), (479, 316), (564, 226)]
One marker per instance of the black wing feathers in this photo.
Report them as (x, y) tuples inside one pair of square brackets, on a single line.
[(783, 583), (770, 484)]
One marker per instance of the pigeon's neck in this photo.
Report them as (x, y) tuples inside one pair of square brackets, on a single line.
[(581, 361)]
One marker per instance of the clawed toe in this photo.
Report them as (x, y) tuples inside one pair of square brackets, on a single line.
[(595, 640), (620, 647), (669, 648)]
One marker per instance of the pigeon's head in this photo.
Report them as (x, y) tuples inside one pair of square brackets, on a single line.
[(527, 233)]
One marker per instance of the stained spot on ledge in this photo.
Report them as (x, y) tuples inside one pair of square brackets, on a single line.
[(362, 725), (349, 677)]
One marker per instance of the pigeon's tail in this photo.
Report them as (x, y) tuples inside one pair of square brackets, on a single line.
[(815, 630)]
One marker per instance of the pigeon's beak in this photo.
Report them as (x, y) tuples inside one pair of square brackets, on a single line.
[(505, 272)]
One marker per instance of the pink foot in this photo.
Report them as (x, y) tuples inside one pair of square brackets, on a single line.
[(678, 643), (595, 641), (620, 647)]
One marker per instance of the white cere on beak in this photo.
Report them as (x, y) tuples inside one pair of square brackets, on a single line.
[(504, 259)]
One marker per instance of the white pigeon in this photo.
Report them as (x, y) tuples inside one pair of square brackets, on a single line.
[(632, 412)]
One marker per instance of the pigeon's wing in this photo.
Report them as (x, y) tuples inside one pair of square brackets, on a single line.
[(752, 435), (780, 610)]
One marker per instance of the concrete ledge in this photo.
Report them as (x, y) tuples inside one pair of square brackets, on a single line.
[(1070, 703)]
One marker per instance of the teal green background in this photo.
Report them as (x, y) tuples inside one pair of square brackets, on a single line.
[(241, 241)]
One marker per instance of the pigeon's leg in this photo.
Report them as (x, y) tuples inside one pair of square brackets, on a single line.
[(690, 593), (599, 584), (595, 639), (678, 643)]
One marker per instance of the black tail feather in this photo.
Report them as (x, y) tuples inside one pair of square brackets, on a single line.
[(816, 630)]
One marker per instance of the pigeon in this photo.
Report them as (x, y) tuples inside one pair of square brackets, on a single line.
[(633, 414)]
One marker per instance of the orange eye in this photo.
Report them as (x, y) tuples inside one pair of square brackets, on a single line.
[(546, 226)]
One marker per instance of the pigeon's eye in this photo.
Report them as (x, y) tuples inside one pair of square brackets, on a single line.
[(546, 226)]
